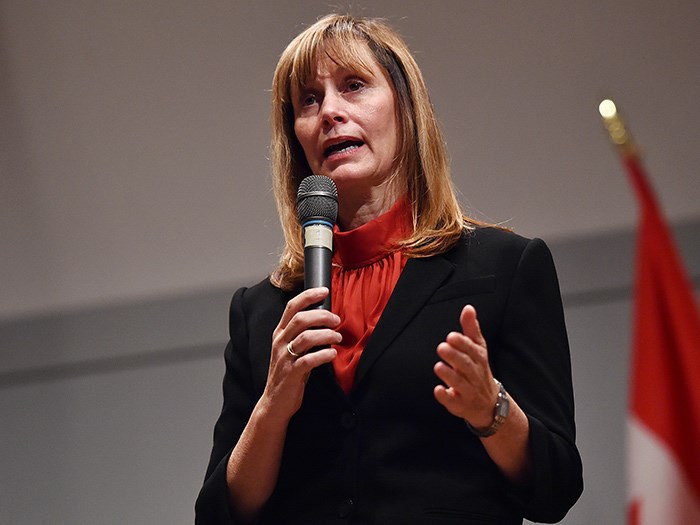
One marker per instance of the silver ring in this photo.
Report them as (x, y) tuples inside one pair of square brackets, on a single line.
[(291, 351)]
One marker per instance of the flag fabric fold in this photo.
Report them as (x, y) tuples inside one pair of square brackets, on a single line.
[(664, 420)]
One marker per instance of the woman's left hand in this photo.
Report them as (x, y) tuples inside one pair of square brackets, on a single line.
[(469, 391)]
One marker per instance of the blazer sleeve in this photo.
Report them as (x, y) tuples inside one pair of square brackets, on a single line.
[(534, 364), (212, 505)]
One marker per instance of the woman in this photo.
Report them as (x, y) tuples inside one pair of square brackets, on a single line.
[(398, 418)]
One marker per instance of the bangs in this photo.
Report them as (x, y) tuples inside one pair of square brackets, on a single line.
[(341, 43)]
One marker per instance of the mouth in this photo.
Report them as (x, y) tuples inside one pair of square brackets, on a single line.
[(346, 146)]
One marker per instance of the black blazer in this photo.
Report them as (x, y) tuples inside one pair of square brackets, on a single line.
[(389, 453)]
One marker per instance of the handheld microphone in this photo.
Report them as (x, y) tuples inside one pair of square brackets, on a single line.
[(317, 209)]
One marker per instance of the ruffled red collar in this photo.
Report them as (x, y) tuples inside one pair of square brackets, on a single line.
[(374, 240)]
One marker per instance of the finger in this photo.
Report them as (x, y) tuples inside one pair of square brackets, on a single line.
[(470, 386), (307, 319), (311, 360), (447, 398), (302, 301), (307, 330), (449, 376), (473, 388), (463, 355), (470, 325), (315, 338)]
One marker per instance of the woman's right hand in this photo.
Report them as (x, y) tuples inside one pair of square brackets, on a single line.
[(305, 330)]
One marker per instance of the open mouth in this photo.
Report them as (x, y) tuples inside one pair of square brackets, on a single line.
[(342, 147)]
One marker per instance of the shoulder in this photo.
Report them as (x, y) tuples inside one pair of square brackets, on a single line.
[(493, 238), (260, 300), (496, 249), (263, 290), (489, 241)]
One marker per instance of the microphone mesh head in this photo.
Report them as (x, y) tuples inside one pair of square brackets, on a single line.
[(317, 198)]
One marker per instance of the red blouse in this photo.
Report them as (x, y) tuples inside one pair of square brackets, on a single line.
[(366, 267)]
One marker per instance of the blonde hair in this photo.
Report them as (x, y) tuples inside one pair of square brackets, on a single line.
[(421, 171)]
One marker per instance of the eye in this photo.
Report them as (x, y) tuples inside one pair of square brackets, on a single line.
[(308, 99), (355, 85)]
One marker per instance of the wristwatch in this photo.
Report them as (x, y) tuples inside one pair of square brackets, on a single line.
[(500, 413)]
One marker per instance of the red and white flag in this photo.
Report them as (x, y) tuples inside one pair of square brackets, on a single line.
[(664, 420)]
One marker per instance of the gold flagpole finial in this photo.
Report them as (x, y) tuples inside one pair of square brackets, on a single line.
[(616, 127)]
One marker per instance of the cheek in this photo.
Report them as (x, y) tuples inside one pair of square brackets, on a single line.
[(388, 122), (299, 132), (303, 136), (390, 127)]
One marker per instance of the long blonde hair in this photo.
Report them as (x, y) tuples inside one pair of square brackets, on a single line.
[(421, 168)]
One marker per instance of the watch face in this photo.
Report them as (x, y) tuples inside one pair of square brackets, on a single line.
[(503, 405), (502, 413)]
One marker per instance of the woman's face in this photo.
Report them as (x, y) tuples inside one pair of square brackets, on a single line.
[(346, 124)]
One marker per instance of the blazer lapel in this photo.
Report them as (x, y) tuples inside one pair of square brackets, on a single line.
[(418, 281)]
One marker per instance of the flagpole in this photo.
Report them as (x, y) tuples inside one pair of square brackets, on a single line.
[(622, 139)]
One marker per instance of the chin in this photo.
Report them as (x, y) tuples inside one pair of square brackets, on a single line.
[(346, 176)]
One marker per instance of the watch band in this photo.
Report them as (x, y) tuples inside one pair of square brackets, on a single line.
[(500, 413)]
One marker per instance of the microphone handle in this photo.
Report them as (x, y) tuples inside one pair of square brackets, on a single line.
[(318, 252), (317, 272)]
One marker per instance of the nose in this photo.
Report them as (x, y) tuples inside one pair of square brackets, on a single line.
[(333, 110)]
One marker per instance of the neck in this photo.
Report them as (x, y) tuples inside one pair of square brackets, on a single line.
[(356, 210)]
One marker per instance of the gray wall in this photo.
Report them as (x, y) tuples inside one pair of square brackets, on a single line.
[(134, 198), (133, 134)]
